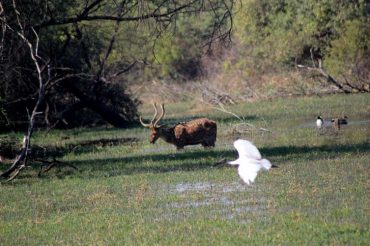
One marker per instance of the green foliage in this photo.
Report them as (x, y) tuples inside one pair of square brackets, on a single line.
[(178, 51), (350, 48), (282, 32), (167, 52), (86, 47)]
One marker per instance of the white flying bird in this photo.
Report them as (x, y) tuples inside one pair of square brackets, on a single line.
[(249, 161)]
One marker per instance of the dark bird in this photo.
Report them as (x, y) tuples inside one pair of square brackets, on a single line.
[(337, 122)]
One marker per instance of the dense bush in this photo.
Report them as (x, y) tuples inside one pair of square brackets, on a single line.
[(349, 54), (272, 37), (86, 48)]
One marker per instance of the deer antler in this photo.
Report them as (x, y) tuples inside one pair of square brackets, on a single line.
[(155, 115), (160, 117)]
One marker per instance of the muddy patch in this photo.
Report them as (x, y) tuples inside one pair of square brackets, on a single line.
[(328, 123), (227, 201), (207, 187)]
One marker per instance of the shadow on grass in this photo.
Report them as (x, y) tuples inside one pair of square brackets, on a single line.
[(202, 159), (151, 163), (334, 149), (79, 147), (193, 160)]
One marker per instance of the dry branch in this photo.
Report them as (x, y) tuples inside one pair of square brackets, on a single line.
[(242, 120), (346, 86), (50, 164), (21, 160)]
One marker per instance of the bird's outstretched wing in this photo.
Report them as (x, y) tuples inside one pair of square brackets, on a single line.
[(247, 149), (249, 171)]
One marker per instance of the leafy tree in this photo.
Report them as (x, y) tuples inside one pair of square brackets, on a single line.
[(279, 34), (89, 46), (348, 56)]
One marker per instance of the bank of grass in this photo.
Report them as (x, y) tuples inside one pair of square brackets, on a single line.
[(141, 194)]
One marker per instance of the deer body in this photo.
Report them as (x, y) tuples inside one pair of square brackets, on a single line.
[(198, 131)]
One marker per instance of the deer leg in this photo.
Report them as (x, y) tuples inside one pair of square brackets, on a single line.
[(179, 147), (208, 143)]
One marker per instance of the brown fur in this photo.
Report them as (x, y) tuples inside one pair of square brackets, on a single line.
[(338, 122), (198, 131)]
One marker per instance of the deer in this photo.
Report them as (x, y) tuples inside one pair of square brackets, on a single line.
[(197, 131)]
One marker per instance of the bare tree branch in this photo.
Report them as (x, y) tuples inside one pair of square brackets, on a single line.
[(323, 72), (111, 43), (153, 15), (21, 160)]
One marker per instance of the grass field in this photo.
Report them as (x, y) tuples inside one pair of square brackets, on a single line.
[(135, 193)]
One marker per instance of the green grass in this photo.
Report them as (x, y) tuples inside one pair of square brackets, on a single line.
[(142, 194)]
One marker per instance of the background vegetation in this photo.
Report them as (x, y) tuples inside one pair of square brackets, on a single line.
[(277, 48), (85, 50)]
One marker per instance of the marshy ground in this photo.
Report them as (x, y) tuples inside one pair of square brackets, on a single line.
[(127, 191)]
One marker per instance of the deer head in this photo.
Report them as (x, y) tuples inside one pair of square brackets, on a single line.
[(155, 129)]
